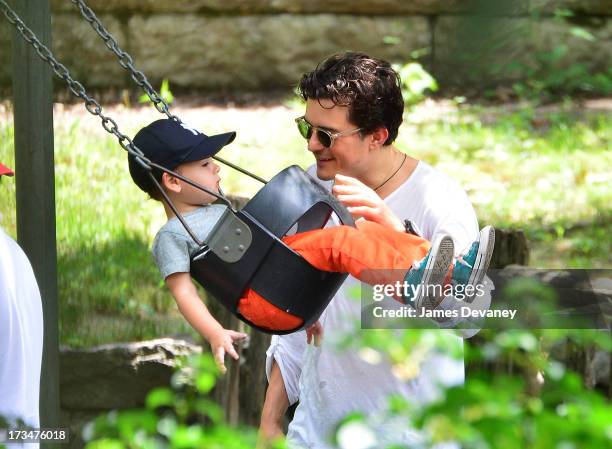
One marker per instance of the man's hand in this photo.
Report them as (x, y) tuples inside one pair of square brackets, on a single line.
[(316, 331), (362, 201), (222, 341)]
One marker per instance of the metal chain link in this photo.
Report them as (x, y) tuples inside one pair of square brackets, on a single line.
[(92, 106), (125, 60)]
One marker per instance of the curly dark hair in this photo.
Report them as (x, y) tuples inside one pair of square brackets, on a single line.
[(369, 87)]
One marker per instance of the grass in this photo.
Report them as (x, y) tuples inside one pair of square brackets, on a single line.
[(546, 172), (517, 174), (542, 171)]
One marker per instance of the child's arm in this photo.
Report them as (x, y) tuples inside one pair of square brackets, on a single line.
[(195, 312)]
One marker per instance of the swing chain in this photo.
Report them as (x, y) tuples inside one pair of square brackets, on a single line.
[(92, 106), (125, 60)]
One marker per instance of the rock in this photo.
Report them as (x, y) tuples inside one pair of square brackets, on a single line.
[(595, 54), (583, 280), (510, 248), (255, 45), (370, 6), (78, 47), (75, 422), (83, 52), (600, 367), (254, 52), (273, 6), (579, 6), (172, 6), (481, 49), (117, 375), (551, 298), (431, 7)]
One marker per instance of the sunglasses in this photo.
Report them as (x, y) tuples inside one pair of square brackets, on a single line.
[(324, 136)]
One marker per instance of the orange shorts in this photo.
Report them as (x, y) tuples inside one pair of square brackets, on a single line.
[(369, 246)]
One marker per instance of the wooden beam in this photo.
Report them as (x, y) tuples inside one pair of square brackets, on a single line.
[(35, 191)]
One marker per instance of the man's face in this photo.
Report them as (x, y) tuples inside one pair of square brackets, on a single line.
[(348, 154)]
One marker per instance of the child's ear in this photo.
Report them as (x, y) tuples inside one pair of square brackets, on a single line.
[(171, 182)]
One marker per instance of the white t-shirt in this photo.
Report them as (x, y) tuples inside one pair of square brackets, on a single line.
[(330, 384), (21, 336)]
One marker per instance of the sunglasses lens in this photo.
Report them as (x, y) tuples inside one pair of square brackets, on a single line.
[(304, 128), (324, 138)]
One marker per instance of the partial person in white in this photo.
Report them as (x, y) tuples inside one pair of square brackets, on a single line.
[(21, 335), (354, 108)]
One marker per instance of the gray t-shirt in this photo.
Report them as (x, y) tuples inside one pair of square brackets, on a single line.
[(173, 246)]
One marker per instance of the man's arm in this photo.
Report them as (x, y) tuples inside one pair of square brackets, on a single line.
[(283, 370), (275, 405)]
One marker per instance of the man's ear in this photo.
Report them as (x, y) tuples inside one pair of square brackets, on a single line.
[(171, 182), (379, 137)]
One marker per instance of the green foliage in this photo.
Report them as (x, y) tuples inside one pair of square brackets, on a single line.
[(476, 413), (516, 393), (588, 245), (416, 82), (547, 79), (177, 417), (164, 92), (562, 414), (550, 75), (538, 402), (524, 168)]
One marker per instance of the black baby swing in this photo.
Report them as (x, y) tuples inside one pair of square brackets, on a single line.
[(244, 250)]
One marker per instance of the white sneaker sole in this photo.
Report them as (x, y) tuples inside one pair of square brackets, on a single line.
[(441, 256), (483, 258)]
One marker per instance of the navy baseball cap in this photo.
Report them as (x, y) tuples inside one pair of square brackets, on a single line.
[(170, 144)]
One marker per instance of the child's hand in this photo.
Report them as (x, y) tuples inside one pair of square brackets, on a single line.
[(362, 201), (221, 342), (316, 331)]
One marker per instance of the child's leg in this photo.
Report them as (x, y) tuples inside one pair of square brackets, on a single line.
[(371, 253), (403, 240), (471, 267), (370, 246), (378, 255), (342, 249), (265, 314)]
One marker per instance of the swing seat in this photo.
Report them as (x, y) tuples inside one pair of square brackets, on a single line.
[(263, 261)]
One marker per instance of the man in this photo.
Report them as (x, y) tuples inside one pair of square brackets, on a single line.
[(353, 112), (21, 334)]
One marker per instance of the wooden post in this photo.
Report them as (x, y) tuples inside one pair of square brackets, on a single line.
[(253, 382), (35, 192), (241, 391)]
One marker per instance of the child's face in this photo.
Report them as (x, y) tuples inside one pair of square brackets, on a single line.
[(204, 172)]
